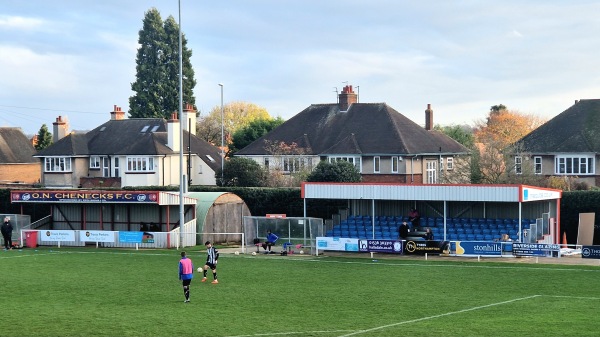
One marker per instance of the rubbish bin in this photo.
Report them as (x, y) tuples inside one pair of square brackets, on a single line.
[(31, 239)]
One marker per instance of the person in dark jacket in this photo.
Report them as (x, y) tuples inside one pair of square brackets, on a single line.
[(415, 218), (7, 229), (428, 234), (403, 231), (271, 238)]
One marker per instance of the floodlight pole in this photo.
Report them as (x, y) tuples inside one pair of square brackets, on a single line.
[(181, 175), (222, 135)]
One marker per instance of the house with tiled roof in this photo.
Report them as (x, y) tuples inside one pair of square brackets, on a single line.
[(568, 145), (17, 164), (129, 152), (384, 145)]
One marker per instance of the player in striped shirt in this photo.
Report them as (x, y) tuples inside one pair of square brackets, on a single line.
[(186, 273), (212, 255)]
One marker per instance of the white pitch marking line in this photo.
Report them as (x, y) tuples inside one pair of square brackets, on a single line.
[(440, 315)]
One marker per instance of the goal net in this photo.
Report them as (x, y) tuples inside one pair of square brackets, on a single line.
[(296, 233)]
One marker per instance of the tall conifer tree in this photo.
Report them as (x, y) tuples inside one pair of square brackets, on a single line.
[(44, 138), (157, 69)]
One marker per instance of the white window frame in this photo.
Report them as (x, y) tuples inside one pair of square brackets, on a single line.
[(57, 164), (294, 164), (376, 164), (518, 165), (537, 165), (116, 167), (583, 164), (140, 164), (355, 160), (450, 163), (431, 171), (395, 164), (105, 166), (94, 162)]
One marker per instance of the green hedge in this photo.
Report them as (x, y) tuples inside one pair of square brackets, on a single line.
[(573, 203)]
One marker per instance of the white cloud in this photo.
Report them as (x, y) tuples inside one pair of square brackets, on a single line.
[(25, 70), (20, 23)]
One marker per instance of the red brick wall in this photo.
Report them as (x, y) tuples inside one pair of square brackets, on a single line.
[(26, 173), (392, 178)]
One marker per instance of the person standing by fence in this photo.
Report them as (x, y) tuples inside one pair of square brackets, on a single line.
[(7, 229), (186, 273)]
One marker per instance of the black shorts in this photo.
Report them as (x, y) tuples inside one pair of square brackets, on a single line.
[(212, 266), (186, 282), (267, 244)]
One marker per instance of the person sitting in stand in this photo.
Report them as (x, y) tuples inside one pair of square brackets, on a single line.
[(414, 217), (403, 231), (428, 234), (271, 238)]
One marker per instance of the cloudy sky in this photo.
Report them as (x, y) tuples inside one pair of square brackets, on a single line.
[(77, 58)]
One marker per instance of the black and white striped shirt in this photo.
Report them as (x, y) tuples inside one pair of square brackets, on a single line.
[(212, 255)]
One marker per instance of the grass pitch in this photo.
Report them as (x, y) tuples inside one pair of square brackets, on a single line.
[(115, 292)]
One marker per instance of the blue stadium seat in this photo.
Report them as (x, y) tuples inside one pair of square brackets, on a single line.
[(470, 237), (479, 237), (488, 237)]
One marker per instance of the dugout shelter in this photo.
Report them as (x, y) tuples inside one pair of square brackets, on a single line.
[(442, 203), (153, 213)]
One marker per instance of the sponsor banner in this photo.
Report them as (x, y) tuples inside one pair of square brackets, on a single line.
[(590, 252), (533, 194), (57, 235), (97, 236), (476, 248), (84, 196), (337, 244), (534, 249), (130, 237), (421, 247), (380, 246)]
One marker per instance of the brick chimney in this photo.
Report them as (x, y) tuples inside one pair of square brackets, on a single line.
[(429, 118), (173, 141), (346, 98), (34, 140), (60, 128), (189, 117), (117, 114)]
